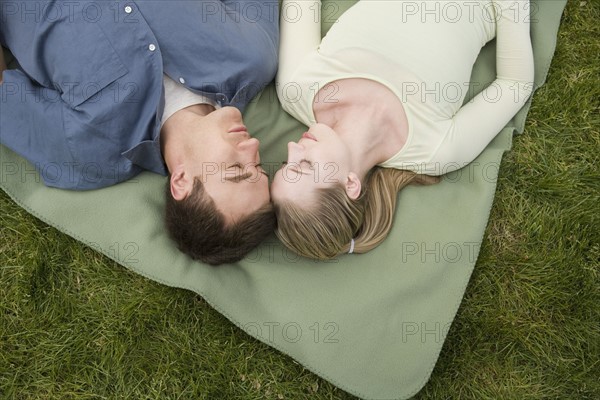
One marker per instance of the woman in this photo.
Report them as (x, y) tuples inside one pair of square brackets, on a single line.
[(383, 95)]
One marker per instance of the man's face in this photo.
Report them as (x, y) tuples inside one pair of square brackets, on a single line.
[(229, 164)]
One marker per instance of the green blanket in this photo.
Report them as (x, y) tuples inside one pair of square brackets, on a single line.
[(371, 324)]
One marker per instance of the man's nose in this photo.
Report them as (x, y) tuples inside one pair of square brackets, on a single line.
[(232, 113), (250, 147)]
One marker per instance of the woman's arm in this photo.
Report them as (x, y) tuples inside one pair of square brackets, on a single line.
[(300, 27), (480, 120)]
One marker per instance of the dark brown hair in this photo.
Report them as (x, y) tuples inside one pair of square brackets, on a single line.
[(201, 231)]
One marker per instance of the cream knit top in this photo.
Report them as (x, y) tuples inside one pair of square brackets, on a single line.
[(423, 52)]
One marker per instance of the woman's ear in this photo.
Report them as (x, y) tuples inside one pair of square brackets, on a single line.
[(181, 186), (353, 186)]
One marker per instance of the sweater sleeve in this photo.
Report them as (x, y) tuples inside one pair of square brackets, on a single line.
[(480, 120), (300, 27)]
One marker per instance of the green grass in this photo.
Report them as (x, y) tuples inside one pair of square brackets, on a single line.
[(75, 325)]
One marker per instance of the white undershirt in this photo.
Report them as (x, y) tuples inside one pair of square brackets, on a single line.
[(178, 97)]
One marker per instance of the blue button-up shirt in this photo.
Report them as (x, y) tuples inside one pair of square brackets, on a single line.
[(86, 104)]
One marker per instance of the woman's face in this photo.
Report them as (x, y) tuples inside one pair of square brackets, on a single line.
[(320, 159)]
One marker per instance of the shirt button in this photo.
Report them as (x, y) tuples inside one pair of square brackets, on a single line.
[(181, 80), (128, 9), (151, 47)]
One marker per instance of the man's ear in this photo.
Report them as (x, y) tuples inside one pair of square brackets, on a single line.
[(353, 186), (181, 184)]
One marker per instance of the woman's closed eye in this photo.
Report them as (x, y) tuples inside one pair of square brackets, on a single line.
[(310, 163), (297, 166), (304, 160)]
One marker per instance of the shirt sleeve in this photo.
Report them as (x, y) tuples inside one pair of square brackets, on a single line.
[(31, 117), (32, 124), (480, 120), (300, 26)]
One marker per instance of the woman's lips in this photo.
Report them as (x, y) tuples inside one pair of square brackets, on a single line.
[(307, 135)]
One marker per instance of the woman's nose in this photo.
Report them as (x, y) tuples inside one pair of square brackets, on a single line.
[(294, 151)]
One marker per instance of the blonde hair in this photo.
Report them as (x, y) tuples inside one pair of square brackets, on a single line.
[(326, 229)]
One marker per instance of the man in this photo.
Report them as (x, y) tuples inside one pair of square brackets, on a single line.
[(108, 89)]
